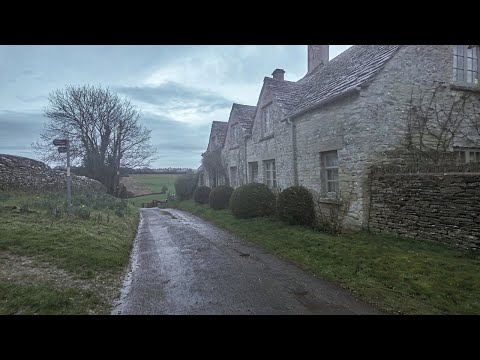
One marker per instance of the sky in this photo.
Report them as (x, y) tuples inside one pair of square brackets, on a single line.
[(179, 89)]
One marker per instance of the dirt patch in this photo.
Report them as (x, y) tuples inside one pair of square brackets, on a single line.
[(134, 186), (29, 271)]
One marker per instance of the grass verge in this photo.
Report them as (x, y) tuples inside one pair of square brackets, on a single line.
[(52, 264), (399, 276)]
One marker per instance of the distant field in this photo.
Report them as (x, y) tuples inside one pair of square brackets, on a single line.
[(155, 182), (150, 183)]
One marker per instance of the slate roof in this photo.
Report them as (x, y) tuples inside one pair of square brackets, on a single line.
[(346, 71), (287, 93), (219, 129), (245, 114)]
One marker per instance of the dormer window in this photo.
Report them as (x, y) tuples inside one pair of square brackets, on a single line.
[(465, 64), (267, 120)]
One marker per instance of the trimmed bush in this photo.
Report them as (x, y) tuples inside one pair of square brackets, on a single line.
[(201, 194), (252, 200), (220, 197), (185, 185), (295, 206)]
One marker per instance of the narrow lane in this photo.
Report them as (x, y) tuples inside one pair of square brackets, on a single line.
[(181, 264)]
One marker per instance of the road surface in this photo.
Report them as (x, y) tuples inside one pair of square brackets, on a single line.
[(182, 264)]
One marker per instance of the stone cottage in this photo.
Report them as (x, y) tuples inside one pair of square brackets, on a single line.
[(327, 129)]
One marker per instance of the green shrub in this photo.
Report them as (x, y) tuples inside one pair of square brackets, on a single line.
[(201, 194), (185, 185), (220, 197), (82, 213), (252, 200), (295, 206)]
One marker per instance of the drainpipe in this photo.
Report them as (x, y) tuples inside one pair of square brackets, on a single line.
[(245, 158), (294, 155)]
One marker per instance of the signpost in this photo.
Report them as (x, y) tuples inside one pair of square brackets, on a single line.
[(64, 147)]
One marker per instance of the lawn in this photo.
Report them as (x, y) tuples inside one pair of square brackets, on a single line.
[(52, 264), (399, 276), (155, 182)]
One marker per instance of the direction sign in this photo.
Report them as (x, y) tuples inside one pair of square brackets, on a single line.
[(60, 142), (62, 149)]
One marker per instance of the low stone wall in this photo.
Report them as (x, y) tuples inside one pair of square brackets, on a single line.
[(438, 206), (20, 173)]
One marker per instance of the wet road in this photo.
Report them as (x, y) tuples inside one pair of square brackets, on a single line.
[(184, 265)]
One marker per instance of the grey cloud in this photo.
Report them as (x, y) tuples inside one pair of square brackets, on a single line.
[(172, 95)]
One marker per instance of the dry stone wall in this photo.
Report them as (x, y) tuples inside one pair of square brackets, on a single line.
[(20, 173)]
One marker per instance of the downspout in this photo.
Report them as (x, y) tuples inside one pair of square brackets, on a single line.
[(294, 152), (245, 158)]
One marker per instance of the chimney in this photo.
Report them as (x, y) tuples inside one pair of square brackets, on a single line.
[(317, 54), (278, 74)]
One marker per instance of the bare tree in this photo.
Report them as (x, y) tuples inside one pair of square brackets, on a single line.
[(103, 129)]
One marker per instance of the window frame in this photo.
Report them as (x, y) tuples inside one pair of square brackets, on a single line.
[(270, 171), (267, 110), (251, 172), (326, 170), (466, 61), (465, 155)]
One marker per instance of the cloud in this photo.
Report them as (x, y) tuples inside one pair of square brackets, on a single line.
[(29, 99), (180, 103)]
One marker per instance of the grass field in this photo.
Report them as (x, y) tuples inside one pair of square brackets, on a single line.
[(52, 264), (153, 182), (399, 276)]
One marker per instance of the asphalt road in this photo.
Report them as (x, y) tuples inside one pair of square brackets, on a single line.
[(183, 265)]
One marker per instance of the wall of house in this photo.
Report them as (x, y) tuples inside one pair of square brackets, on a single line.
[(233, 154), (368, 128), (427, 205), (277, 147)]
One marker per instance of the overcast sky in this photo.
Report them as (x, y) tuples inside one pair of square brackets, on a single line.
[(180, 89)]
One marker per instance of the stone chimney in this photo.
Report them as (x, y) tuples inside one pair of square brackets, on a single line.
[(317, 54), (278, 74)]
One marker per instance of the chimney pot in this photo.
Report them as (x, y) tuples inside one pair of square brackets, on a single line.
[(278, 74)]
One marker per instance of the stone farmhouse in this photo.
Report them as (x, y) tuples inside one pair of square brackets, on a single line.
[(321, 132)]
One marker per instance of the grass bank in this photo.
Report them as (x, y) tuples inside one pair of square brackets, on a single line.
[(402, 276), (52, 264)]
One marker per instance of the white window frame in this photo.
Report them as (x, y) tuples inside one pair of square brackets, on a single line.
[(251, 178), (267, 120), (468, 155), (466, 64), (270, 173), (330, 172)]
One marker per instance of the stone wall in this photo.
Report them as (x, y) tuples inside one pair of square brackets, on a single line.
[(20, 173), (427, 205)]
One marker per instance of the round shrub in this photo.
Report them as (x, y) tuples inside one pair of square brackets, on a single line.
[(295, 206), (201, 194), (220, 197), (252, 200)]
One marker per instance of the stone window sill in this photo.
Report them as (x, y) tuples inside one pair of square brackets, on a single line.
[(326, 200), (266, 137), (465, 86)]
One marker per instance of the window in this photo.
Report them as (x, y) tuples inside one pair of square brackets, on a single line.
[(221, 180), (267, 120), (465, 64), (329, 165), (270, 176), (235, 134), (466, 156), (233, 177), (253, 172), (202, 179)]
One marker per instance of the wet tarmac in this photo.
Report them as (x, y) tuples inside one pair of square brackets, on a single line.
[(181, 264)]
